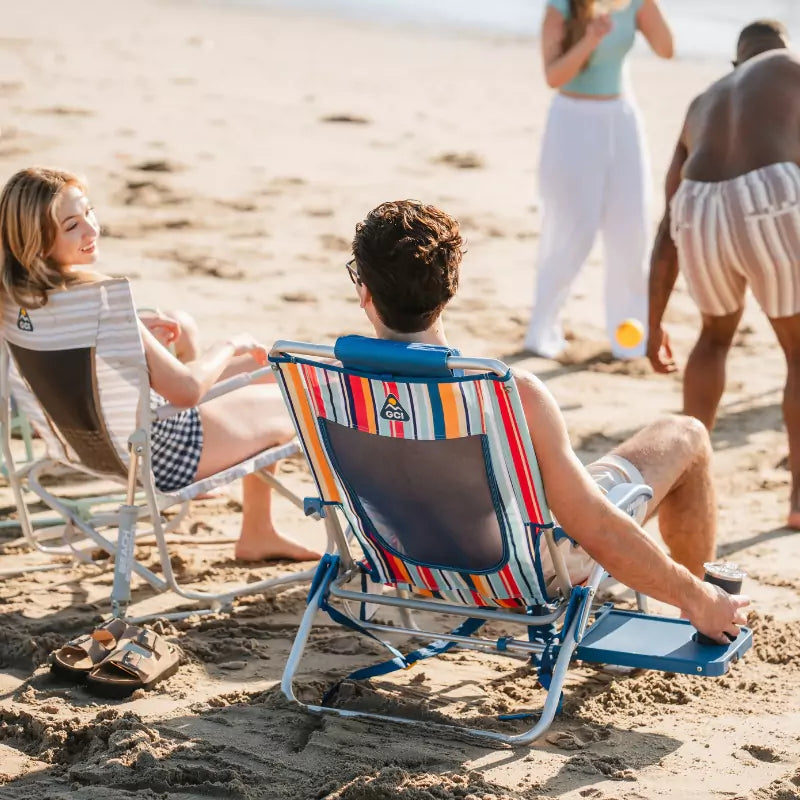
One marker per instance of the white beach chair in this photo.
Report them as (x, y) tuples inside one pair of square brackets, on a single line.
[(76, 368)]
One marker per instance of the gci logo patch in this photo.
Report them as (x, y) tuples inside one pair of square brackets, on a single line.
[(24, 321), (393, 411)]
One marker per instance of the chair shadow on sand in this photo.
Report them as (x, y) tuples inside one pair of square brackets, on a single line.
[(246, 743)]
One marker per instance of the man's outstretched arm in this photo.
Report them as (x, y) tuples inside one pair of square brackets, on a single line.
[(664, 270), (611, 537)]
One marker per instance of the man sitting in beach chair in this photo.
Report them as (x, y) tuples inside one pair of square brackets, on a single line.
[(405, 270)]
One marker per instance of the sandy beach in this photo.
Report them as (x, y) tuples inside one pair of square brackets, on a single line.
[(230, 152)]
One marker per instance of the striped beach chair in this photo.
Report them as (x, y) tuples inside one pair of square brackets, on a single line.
[(76, 368), (426, 458)]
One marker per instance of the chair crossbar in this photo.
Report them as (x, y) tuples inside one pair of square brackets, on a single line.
[(442, 607), (474, 642)]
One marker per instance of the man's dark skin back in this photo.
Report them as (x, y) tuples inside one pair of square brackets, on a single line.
[(746, 120)]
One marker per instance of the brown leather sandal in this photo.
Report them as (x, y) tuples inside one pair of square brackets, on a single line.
[(139, 662), (77, 658)]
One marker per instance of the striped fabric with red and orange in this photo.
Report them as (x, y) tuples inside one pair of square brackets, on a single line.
[(453, 408)]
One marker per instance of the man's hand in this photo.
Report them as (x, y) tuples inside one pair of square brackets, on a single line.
[(717, 613), (659, 351)]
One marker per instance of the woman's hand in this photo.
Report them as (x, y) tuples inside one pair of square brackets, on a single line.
[(560, 65), (164, 327), (246, 345), (597, 29)]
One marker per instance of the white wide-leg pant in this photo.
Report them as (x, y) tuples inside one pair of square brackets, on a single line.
[(594, 175)]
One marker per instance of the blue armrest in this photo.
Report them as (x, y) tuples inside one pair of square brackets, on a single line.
[(406, 359)]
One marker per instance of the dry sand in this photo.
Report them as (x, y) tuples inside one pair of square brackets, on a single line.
[(230, 153)]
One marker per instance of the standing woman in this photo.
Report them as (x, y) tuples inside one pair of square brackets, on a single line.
[(594, 170)]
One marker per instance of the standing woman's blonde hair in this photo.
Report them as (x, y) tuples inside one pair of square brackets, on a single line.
[(28, 227)]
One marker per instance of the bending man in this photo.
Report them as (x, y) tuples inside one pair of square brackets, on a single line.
[(732, 219)]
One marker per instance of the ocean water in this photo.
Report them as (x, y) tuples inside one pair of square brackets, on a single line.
[(702, 27)]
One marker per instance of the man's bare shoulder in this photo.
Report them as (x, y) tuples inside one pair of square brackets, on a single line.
[(528, 384), (537, 402), (773, 61), (708, 96)]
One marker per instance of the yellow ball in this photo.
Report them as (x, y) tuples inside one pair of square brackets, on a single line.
[(630, 333)]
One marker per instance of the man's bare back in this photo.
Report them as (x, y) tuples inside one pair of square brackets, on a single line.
[(747, 120)]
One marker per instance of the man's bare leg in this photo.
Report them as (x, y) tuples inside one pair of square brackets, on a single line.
[(704, 378), (674, 457), (787, 330)]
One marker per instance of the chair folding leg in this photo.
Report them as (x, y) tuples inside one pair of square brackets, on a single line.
[(299, 646), (569, 640), (123, 563)]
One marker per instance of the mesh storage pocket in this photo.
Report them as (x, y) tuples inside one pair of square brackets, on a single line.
[(429, 501)]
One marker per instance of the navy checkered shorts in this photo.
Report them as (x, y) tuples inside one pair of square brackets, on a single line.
[(176, 444)]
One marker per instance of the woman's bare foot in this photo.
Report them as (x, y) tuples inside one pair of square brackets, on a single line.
[(269, 545), (794, 520)]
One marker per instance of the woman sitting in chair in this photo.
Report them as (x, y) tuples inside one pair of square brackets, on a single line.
[(49, 235)]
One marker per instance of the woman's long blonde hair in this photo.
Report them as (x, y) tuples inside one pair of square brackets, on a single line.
[(28, 228), (580, 12)]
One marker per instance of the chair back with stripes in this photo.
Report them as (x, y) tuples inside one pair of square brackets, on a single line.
[(78, 372), (436, 475)]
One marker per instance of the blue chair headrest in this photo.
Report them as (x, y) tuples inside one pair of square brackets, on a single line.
[(403, 359)]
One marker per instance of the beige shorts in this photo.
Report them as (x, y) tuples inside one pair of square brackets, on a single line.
[(608, 471), (738, 233)]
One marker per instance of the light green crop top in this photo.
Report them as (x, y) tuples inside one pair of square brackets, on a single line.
[(603, 73)]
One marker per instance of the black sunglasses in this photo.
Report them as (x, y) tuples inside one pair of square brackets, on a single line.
[(352, 271)]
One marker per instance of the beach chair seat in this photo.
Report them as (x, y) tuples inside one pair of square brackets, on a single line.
[(426, 458), (76, 368)]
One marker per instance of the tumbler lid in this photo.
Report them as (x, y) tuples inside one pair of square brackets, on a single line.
[(728, 570)]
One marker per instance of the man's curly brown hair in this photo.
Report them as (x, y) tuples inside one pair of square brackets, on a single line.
[(408, 255)]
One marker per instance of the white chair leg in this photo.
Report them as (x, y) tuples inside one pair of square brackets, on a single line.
[(299, 645)]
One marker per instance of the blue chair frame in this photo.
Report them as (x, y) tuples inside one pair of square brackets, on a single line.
[(553, 631)]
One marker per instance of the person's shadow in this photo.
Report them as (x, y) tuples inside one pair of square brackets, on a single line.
[(729, 548)]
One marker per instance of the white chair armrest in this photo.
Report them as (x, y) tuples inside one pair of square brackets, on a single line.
[(218, 389)]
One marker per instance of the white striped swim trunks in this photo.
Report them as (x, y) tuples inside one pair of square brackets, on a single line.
[(740, 232)]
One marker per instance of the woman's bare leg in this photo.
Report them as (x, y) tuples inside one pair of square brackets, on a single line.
[(236, 426)]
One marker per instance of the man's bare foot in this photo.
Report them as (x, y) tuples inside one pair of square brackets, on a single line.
[(272, 546), (794, 520)]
